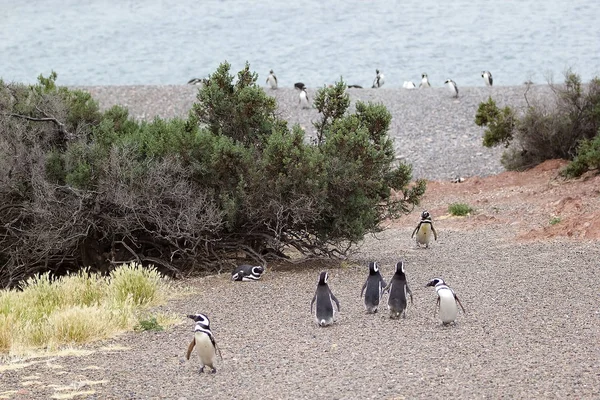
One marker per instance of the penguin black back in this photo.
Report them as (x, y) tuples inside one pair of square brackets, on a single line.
[(398, 292), (325, 313), (373, 288)]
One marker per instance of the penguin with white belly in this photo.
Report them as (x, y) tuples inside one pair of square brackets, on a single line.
[(447, 301), (204, 342), (425, 230)]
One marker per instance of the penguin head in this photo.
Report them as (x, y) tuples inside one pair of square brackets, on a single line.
[(400, 267), (271, 71), (483, 74), (425, 215), (377, 71), (200, 319), (373, 268), (435, 281), (323, 278), (423, 75), (258, 270)]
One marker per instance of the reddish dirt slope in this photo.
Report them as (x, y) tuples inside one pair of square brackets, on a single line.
[(527, 201)]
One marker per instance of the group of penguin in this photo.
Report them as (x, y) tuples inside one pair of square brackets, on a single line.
[(379, 80), (325, 303)]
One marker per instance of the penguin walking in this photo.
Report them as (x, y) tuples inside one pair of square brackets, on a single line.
[(272, 80), (325, 313), (373, 288), (424, 81), (303, 98), (247, 273), (398, 292), (446, 301), (424, 230), (452, 87), (487, 77), (379, 80), (204, 342)]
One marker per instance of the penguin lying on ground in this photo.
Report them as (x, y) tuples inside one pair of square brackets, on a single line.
[(446, 301), (204, 342), (373, 288), (247, 273), (325, 313), (398, 293), (425, 230)]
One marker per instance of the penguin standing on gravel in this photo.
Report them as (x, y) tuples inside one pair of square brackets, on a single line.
[(373, 288), (452, 87), (325, 313), (446, 301), (398, 292), (303, 98), (379, 80), (425, 230), (204, 342), (424, 81), (487, 77), (272, 80), (247, 273)]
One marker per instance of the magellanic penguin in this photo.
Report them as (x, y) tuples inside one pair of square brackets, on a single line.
[(303, 98), (446, 301), (425, 230), (247, 273), (398, 292), (424, 81), (373, 288), (198, 81), (299, 85), (452, 87), (379, 80), (272, 80), (325, 313), (487, 77), (204, 341)]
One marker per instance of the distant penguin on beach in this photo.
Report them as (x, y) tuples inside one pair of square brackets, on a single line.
[(303, 98), (272, 80), (354, 87), (198, 81), (325, 312), (487, 77), (379, 80), (452, 87), (408, 85), (424, 81)]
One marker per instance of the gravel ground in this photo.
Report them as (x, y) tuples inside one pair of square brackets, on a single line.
[(432, 131), (531, 331)]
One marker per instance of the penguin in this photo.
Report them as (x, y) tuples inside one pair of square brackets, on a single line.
[(272, 80), (409, 85), (374, 288), (303, 98), (354, 87), (487, 77), (424, 230), (325, 313), (424, 81), (204, 341), (299, 85), (398, 291), (452, 86), (247, 273), (446, 301), (198, 81), (379, 80)]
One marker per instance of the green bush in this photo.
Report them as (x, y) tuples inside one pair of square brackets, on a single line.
[(98, 189), (460, 209), (588, 158), (562, 130)]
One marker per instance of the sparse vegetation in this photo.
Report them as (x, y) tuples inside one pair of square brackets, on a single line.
[(566, 129), (82, 187), (460, 209), (150, 324), (554, 220), (48, 312)]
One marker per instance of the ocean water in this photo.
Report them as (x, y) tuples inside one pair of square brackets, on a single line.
[(132, 42)]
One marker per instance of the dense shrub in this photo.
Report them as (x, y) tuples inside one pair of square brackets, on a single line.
[(545, 132), (81, 188)]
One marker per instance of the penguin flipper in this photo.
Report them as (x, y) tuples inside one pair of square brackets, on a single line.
[(337, 303), (459, 303), (434, 232), (416, 230), (363, 289), (387, 287), (190, 348), (274, 77), (313, 302)]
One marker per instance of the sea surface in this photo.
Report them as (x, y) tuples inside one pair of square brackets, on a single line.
[(134, 42)]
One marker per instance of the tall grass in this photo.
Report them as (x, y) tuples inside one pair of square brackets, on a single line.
[(50, 312)]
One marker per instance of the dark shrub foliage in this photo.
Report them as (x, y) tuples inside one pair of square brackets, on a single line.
[(544, 133), (82, 188)]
